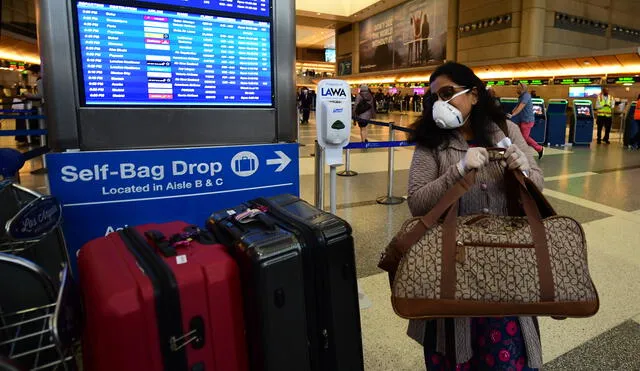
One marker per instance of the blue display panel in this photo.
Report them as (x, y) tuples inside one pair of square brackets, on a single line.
[(248, 7), (139, 56)]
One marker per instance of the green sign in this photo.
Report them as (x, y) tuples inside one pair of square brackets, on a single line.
[(499, 83), (534, 82), (578, 81), (623, 80)]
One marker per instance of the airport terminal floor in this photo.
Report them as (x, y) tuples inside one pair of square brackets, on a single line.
[(598, 186)]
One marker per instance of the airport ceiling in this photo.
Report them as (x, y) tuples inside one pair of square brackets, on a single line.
[(314, 18)]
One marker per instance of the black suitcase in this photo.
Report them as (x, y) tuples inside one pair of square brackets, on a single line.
[(270, 262), (333, 330)]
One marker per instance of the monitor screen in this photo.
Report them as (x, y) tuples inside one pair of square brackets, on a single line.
[(583, 110), (592, 91), (248, 7), (146, 57), (330, 55), (576, 92)]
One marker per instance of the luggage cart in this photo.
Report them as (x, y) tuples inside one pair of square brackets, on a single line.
[(43, 337), (39, 305)]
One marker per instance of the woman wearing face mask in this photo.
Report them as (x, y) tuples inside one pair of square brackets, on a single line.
[(460, 120)]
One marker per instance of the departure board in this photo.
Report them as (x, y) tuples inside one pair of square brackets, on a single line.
[(140, 56), (248, 7)]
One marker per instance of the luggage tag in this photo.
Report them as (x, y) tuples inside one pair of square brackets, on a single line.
[(256, 214)]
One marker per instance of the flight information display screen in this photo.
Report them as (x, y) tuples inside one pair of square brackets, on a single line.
[(248, 7), (140, 56)]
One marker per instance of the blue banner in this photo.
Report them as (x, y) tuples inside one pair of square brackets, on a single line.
[(104, 191)]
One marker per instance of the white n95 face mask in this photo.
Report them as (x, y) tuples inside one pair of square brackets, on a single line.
[(446, 115)]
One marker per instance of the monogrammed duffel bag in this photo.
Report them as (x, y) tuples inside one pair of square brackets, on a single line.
[(442, 265)]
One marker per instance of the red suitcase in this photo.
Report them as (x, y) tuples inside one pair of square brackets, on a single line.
[(148, 310)]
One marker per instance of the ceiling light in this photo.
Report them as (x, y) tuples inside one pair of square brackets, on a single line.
[(474, 26), (558, 16), (508, 18), (467, 28), (486, 23), (586, 62), (461, 29)]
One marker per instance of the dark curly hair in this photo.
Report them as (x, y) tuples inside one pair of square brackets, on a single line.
[(427, 134)]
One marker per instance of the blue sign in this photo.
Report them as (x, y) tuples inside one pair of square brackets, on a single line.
[(104, 191), (35, 220)]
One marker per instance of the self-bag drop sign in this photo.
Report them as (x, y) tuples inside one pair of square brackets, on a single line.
[(102, 192)]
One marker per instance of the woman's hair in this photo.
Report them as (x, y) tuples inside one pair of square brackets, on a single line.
[(524, 87), (425, 131), (638, 96)]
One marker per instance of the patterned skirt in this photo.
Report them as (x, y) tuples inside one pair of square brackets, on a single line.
[(497, 344)]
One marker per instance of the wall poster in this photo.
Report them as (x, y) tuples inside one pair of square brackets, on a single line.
[(413, 34)]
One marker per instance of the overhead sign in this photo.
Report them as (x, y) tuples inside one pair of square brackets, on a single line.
[(623, 80), (499, 83), (104, 191), (532, 82), (578, 81)]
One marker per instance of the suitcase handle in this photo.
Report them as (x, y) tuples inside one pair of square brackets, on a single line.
[(159, 239)]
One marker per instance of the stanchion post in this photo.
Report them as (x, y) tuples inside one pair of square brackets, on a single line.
[(41, 126), (319, 174), (347, 165), (333, 190), (390, 199), (27, 105)]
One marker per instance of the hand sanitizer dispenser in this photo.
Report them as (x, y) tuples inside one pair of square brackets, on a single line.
[(336, 130), (333, 113)]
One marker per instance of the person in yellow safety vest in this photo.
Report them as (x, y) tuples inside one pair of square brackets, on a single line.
[(604, 107)]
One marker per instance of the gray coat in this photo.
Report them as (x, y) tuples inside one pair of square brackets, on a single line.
[(371, 113), (431, 174)]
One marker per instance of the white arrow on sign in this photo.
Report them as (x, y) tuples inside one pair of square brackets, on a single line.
[(283, 161)]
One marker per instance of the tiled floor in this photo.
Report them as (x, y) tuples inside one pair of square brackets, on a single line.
[(597, 186)]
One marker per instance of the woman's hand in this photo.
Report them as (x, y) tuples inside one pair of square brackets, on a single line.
[(476, 158), (516, 159)]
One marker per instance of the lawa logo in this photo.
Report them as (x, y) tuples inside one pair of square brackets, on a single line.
[(333, 92)]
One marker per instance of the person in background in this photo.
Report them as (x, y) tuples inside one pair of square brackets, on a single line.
[(36, 97), (533, 94), (523, 115), (494, 97), (304, 102), (364, 109), (635, 142), (459, 122), (604, 112)]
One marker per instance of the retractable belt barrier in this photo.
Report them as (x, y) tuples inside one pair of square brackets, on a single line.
[(28, 114), (389, 198)]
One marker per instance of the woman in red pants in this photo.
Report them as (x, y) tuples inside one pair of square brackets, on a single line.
[(524, 117)]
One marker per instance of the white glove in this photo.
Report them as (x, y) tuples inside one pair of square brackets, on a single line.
[(516, 159), (509, 116), (476, 158)]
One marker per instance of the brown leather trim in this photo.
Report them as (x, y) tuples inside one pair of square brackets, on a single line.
[(499, 245), (428, 221), (425, 309), (539, 236), (476, 219), (448, 264)]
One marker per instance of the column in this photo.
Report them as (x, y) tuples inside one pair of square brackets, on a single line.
[(534, 15), (452, 30), (355, 67)]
